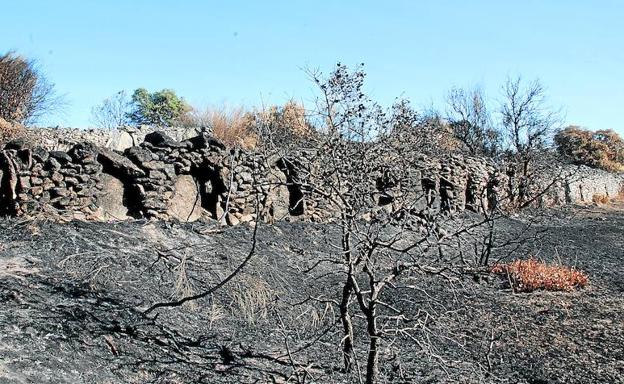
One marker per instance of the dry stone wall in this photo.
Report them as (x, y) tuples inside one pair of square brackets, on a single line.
[(198, 178)]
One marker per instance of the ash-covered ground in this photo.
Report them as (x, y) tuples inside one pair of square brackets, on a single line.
[(73, 297)]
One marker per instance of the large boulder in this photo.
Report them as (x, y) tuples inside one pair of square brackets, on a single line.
[(186, 203), (111, 199)]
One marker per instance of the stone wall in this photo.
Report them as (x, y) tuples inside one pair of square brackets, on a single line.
[(198, 178), (63, 139), (160, 178)]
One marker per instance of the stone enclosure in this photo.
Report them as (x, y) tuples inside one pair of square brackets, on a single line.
[(197, 177)]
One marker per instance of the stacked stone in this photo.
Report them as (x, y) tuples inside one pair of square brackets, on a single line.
[(62, 182), (479, 174), (430, 180), (157, 157), (199, 177)]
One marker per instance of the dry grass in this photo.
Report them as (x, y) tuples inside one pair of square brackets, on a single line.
[(238, 127), (531, 275), (231, 125), (17, 268), (182, 286), (251, 298), (620, 195), (9, 131)]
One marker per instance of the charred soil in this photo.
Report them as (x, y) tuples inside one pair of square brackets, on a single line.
[(74, 294)]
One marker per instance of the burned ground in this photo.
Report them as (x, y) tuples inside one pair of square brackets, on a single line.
[(73, 296)]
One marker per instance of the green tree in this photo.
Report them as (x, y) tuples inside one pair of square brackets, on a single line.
[(162, 108)]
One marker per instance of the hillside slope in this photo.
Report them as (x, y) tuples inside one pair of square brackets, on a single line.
[(73, 293)]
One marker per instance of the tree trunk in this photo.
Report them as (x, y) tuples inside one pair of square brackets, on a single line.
[(372, 363), (347, 326)]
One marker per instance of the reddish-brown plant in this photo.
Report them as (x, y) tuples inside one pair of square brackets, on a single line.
[(531, 275)]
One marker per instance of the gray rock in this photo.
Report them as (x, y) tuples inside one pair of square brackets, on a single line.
[(115, 163), (61, 156)]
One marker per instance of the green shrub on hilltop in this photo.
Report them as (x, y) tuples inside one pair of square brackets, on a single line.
[(163, 108)]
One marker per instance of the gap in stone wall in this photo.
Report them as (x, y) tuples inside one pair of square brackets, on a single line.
[(211, 188)]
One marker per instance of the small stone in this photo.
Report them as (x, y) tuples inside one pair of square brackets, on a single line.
[(59, 192), (71, 181), (52, 164), (232, 220)]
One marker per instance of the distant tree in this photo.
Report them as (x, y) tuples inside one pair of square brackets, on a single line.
[(601, 149), (113, 112), (528, 123), (424, 132), (25, 94), (162, 108), (471, 122)]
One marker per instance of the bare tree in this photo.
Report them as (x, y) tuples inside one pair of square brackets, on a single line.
[(388, 230), (527, 121), (25, 94), (471, 121), (113, 111)]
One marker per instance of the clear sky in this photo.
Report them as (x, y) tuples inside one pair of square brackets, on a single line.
[(252, 52)]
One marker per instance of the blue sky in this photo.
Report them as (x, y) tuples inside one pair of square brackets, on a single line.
[(252, 52)]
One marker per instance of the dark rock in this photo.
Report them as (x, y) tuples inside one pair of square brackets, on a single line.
[(160, 139), (92, 168), (117, 164), (83, 178), (61, 156), (84, 152), (24, 159), (16, 144), (59, 192), (71, 181), (52, 164), (69, 172), (205, 141), (40, 154), (140, 155)]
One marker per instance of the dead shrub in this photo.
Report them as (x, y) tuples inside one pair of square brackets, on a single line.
[(602, 149), (9, 131), (531, 275), (600, 199), (620, 195), (251, 298), (232, 126)]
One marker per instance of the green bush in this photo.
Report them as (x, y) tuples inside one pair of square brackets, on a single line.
[(163, 108)]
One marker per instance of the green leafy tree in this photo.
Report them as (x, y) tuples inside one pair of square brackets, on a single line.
[(163, 108)]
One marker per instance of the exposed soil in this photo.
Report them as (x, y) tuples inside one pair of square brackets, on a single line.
[(73, 296)]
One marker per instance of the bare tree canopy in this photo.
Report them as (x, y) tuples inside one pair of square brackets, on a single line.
[(527, 121), (113, 111), (25, 94), (471, 121)]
